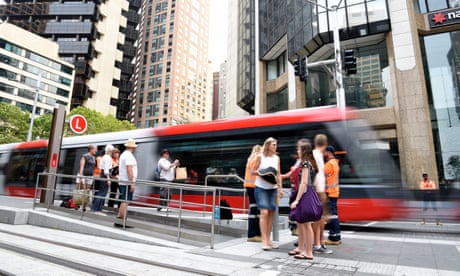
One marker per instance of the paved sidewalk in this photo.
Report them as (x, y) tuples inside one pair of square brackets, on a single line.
[(358, 255)]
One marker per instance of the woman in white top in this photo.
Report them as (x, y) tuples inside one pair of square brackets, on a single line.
[(265, 192)]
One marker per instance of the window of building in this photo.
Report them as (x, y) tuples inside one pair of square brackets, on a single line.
[(277, 101), (369, 88), (442, 75), (424, 6), (277, 67), (10, 47)]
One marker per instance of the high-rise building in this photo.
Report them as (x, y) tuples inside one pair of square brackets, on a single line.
[(96, 36), (31, 68), (406, 84), (215, 95), (173, 85), (233, 62)]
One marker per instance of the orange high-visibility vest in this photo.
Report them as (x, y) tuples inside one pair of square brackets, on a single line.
[(331, 170), (250, 179), (97, 169)]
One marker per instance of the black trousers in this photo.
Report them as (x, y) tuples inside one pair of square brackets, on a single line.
[(114, 187)]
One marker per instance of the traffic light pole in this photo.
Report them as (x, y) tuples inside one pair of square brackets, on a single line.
[(339, 92)]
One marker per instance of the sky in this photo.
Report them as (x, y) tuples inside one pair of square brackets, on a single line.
[(218, 33)]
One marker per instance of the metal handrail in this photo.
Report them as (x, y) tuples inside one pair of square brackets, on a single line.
[(181, 187), (220, 189)]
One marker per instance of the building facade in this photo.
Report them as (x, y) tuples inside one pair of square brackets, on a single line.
[(173, 84), (30, 64), (215, 95), (96, 36), (407, 84), (233, 80)]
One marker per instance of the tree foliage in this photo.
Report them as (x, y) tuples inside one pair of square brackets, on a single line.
[(99, 123), (14, 123)]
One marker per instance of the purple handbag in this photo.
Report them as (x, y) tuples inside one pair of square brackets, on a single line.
[(308, 209)]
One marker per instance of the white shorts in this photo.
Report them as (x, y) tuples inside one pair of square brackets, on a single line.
[(85, 180)]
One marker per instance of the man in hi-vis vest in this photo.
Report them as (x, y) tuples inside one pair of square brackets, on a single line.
[(429, 195), (332, 170)]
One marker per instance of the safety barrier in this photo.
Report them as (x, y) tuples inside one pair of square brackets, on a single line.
[(145, 200)]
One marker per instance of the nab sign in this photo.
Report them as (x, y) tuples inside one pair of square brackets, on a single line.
[(78, 124), (444, 18)]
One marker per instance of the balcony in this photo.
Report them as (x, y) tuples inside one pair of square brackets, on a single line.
[(83, 68), (81, 91), (130, 33), (135, 4), (129, 50), (133, 17)]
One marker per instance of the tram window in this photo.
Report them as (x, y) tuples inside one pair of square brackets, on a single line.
[(71, 163), (227, 154), (24, 167)]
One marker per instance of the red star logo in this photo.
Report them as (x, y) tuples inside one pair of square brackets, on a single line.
[(438, 18)]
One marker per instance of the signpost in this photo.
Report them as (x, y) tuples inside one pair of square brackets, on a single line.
[(78, 124), (52, 158)]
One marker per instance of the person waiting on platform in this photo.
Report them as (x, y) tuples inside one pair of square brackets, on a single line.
[(87, 165), (332, 170), (429, 195), (267, 188), (105, 165), (128, 176), (249, 185), (167, 173)]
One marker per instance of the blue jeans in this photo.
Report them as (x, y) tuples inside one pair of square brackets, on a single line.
[(98, 203), (253, 217), (334, 225), (266, 198)]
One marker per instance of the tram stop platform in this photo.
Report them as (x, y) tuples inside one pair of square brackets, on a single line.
[(37, 242)]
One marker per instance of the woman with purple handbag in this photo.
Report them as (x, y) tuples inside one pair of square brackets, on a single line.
[(307, 207)]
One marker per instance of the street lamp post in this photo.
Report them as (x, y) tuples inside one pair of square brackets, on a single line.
[(34, 107)]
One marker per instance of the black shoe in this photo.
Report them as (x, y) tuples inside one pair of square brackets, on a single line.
[(119, 225), (296, 243)]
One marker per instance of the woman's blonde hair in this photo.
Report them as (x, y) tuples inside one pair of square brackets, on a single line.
[(267, 144), (256, 150)]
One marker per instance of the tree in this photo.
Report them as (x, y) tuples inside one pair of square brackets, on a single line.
[(42, 126), (98, 123), (14, 124)]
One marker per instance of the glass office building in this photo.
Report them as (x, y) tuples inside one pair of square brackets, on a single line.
[(407, 79)]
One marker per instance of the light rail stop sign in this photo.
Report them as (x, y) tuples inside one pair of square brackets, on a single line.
[(78, 124)]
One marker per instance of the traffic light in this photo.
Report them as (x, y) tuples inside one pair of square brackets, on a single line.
[(349, 62), (303, 65), (300, 68)]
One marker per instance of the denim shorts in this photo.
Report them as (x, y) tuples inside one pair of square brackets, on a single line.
[(123, 189), (266, 198)]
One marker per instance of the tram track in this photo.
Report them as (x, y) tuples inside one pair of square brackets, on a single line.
[(82, 266)]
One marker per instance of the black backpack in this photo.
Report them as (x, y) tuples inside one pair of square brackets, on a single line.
[(225, 211)]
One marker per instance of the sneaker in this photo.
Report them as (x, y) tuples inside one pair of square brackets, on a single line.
[(329, 242), (100, 213), (322, 250), (255, 239)]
